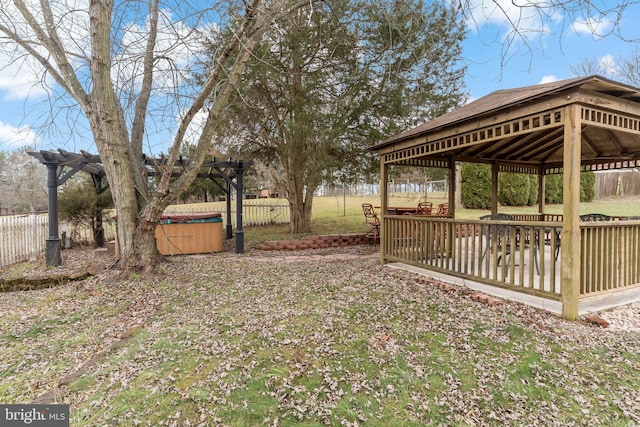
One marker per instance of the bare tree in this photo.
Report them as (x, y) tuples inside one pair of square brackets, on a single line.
[(23, 183), (625, 68), (526, 23), (116, 61)]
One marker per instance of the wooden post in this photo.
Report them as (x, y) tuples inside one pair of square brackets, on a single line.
[(384, 202), (452, 188), (541, 192), (452, 207), (494, 187), (570, 274)]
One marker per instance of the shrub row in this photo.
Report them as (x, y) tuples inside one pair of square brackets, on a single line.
[(515, 189)]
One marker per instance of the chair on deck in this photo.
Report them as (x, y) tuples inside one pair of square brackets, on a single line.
[(443, 209), (372, 219), (595, 217), (424, 208), (500, 234)]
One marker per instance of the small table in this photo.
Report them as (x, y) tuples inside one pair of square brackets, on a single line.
[(400, 210)]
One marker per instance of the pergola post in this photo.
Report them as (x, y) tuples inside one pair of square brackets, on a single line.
[(228, 206), (570, 272), (239, 193), (52, 248), (494, 187)]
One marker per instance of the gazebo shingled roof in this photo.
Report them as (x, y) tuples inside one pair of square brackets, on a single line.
[(474, 125)]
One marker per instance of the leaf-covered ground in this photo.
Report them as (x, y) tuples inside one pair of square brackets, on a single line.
[(318, 340)]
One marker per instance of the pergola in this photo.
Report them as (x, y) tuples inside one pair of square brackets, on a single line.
[(569, 126), (64, 164)]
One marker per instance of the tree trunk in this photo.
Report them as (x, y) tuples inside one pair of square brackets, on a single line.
[(98, 229), (300, 208)]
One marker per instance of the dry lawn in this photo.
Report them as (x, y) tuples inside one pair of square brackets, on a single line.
[(257, 339)]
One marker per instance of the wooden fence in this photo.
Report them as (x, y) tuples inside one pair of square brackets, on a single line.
[(617, 184), (22, 238)]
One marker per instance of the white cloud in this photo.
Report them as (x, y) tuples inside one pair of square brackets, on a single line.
[(22, 76), (19, 80), (524, 20), (608, 65), (548, 79), (598, 27), (12, 137)]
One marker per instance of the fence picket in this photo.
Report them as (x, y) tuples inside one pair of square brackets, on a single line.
[(22, 238)]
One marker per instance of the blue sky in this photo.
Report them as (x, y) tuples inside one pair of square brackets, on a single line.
[(545, 51), (548, 49)]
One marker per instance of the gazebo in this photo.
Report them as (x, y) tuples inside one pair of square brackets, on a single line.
[(565, 127)]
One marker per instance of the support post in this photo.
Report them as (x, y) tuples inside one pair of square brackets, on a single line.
[(239, 193), (384, 203), (228, 203), (52, 251), (452, 188), (541, 192), (494, 187), (570, 254)]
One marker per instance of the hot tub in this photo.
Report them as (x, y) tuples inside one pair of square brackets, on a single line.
[(189, 233)]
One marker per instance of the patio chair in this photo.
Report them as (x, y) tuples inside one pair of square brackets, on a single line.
[(443, 209), (424, 208), (373, 220), (595, 217), (500, 234)]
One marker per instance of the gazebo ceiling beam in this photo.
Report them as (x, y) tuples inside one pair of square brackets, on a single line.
[(616, 141), (477, 150), (591, 146), (521, 144), (553, 148), (496, 149), (544, 143)]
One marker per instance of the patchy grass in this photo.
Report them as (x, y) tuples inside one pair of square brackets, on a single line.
[(229, 340)]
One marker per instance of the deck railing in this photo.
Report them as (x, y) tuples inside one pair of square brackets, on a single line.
[(520, 255), (610, 256)]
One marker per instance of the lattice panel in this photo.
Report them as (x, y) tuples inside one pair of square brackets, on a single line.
[(523, 125), (627, 164), (425, 163), (610, 120), (519, 169)]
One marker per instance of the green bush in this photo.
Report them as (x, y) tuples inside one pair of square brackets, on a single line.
[(587, 186), (533, 190), (516, 189), (554, 188), (513, 189), (476, 186), (81, 205)]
